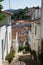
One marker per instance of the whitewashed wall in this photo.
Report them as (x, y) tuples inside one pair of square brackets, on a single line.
[(36, 13), (3, 31), (36, 40), (42, 21), (30, 38), (0, 49), (16, 43), (8, 40), (2, 37)]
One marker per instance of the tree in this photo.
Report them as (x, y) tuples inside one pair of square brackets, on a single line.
[(2, 16), (1, 7), (21, 15), (1, 0)]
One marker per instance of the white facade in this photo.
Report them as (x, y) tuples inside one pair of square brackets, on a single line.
[(16, 43), (9, 37), (36, 39), (30, 38), (5, 36), (41, 30), (42, 20), (5, 42), (36, 13)]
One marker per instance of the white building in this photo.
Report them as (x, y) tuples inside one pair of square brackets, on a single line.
[(42, 25), (30, 38), (5, 37), (16, 43), (36, 39), (36, 13)]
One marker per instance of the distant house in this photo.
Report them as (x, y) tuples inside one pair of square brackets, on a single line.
[(5, 36), (36, 13), (20, 27)]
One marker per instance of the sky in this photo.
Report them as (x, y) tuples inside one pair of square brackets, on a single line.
[(16, 4)]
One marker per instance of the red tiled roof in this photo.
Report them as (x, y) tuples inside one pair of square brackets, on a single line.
[(23, 21), (21, 36), (7, 12)]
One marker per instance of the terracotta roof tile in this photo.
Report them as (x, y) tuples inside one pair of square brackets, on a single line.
[(22, 32)]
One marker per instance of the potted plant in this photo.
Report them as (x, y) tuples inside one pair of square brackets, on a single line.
[(10, 56), (27, 47), (21, 48)]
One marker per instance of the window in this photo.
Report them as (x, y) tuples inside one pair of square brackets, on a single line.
[(2, 50), (33, 25), (35, 29), (9, 35)]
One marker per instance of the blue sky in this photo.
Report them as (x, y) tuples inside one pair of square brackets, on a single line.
[(15, 4)]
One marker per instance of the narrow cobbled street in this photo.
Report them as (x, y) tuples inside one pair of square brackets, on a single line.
[(26, 62)]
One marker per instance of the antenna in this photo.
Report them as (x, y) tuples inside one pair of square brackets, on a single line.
[(9, 4)]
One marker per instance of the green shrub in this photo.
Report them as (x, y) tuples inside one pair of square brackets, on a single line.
[(10, 56), (40, 56), (21, 48), (27, 48), (34, 54)]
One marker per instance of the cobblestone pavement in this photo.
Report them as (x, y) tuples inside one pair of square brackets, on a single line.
[(26, 62)]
